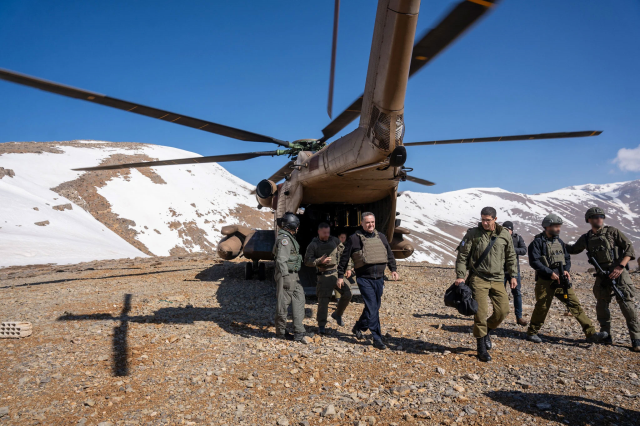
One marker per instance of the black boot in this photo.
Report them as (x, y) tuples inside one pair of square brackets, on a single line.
[(483, 355), (635, 345), (487, 340)]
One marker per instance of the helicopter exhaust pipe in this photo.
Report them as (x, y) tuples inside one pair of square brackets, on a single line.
[(265, 192)]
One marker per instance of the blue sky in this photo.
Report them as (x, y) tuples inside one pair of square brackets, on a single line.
[(528, 67)]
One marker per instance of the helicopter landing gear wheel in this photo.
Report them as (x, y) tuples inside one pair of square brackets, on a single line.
[(262, 271), (248, 271)]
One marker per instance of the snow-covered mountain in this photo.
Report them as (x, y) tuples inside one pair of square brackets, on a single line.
[(438, 221), (51, 214)]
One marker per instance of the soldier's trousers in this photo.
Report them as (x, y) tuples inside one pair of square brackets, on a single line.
[(293, 296), (604, 293), (545, 293), (371, 291), (482, 291), (324, 290)]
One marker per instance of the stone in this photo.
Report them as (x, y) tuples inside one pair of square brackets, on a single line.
[(4, 411), (6, 172), (329, 411), (307, 340), (43, 223), (282, 421), (105, 424), (90, 402), (424, 415), (458, 388), (440, 370), (471, 377), (63, 207)]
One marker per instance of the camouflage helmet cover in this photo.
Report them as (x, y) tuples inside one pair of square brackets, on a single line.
[(551, 219), (593, 211)]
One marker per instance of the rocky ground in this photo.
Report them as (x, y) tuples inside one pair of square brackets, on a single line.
[(185, 340)]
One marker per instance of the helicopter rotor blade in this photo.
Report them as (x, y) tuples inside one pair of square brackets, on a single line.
[(193, 160), (457, 21), (560, 135), (280, 174), (334, 49), (159, 114), (420, 181)]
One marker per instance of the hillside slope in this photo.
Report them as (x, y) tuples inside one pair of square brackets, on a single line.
[(438, 221), (125, 213)]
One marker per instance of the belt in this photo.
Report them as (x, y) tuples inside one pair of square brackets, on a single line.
[(330, 271)]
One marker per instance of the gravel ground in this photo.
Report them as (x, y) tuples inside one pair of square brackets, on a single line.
[(185, 340)]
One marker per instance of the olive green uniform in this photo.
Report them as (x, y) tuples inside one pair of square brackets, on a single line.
[(487, 281), (327, 276), (609, 246), (545, 256), (289, 291)]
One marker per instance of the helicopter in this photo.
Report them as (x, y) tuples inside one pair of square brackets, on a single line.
[(323, 181)]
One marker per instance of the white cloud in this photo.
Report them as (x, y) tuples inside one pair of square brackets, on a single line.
[(628, 160)]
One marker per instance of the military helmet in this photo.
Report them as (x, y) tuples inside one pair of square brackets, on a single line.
[(592, 212), (551, 219), (290, 221)]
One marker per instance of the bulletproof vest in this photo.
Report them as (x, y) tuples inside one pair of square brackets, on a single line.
[(555, 254), (373, 251), (330, 248), (601, 246), (295, 259)]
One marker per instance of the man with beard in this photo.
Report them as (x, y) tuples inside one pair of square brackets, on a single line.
[(613, 251), (549, 257)]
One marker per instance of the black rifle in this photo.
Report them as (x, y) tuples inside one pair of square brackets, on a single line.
[(605, 276), (564, 281)]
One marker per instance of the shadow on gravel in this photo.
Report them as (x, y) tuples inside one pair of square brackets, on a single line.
[(516, 334), (442, 316), (107, 277), (569, 409), (246, 308)]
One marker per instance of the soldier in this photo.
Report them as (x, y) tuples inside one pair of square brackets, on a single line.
[(486, 251), (323, 253), (371, 255), (286, 253), (548, 256), (612, 251), (521, 249)]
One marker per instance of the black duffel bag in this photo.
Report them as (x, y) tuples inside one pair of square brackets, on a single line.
[(461, 298)]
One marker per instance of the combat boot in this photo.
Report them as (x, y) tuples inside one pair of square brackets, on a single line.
[(534, 338), (523, 322), (483, 355), (298, 337), (635, 345), (379, 344), (285, 336), (608, 340), (597, 337), (357, 332), (322, 330), (338, 319), (487, 340)]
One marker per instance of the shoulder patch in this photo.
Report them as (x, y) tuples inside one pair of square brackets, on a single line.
[(462, 243), (284, 241)]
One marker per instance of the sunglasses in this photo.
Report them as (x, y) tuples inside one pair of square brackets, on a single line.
[(597, 216)]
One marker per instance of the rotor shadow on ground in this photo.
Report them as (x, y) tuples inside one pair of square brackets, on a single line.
[(569, 409), (245, 308)]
